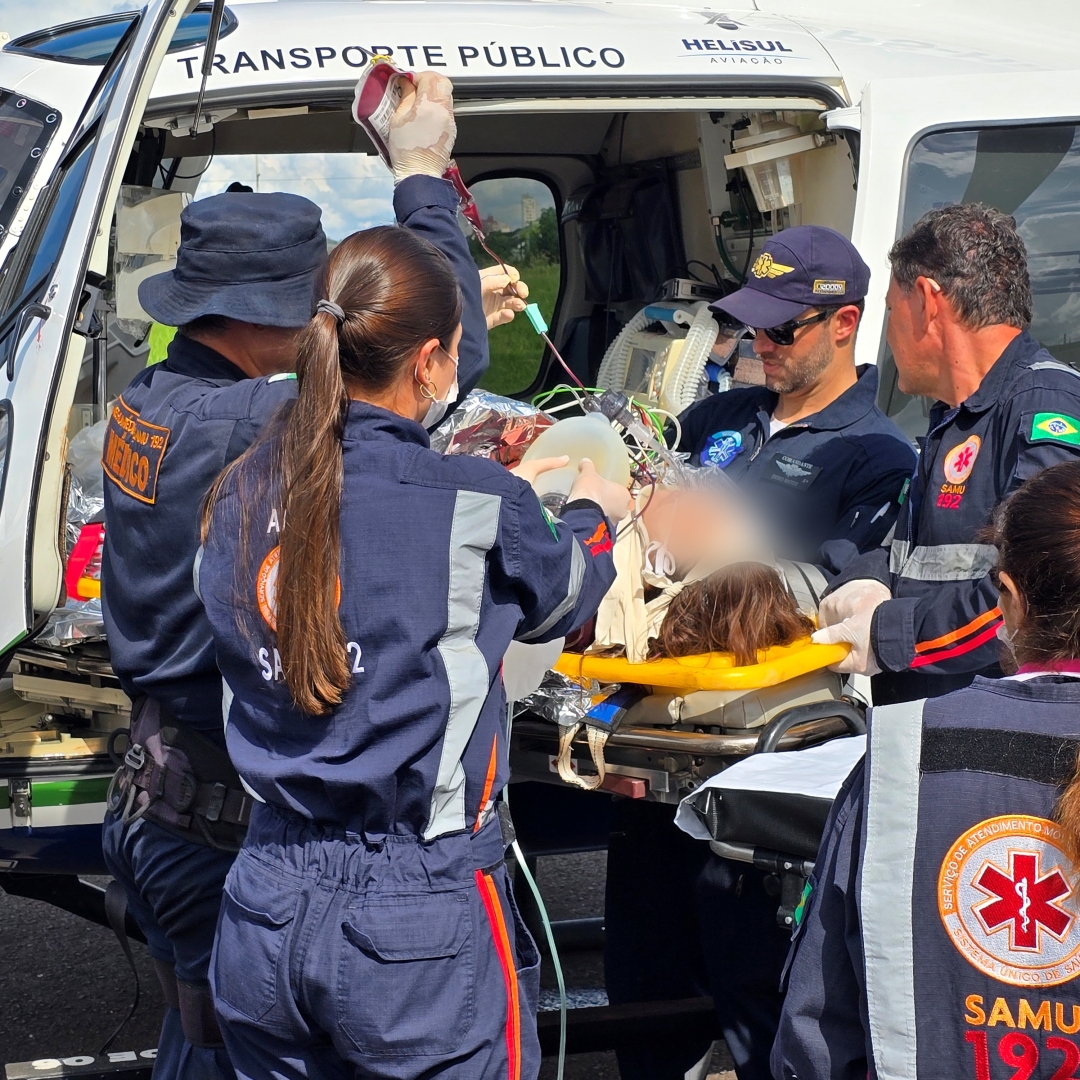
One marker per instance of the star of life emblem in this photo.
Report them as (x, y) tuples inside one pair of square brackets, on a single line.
[(1007, 899)]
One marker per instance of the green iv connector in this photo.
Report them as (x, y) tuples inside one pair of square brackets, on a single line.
[(536, 318)]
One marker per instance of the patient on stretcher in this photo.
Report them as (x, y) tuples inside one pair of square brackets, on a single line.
[(694, 575), (740, 609)]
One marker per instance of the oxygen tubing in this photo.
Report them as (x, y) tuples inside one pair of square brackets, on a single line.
[(549, 934)]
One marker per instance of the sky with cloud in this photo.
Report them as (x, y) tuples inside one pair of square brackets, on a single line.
[(355, 191)]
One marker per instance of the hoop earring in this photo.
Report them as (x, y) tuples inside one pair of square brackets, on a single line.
[(425, 392)]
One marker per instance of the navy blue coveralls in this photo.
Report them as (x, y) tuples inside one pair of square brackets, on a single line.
[(832, 480), (939, 629), (369, 927), (159, 638), (941, 937)]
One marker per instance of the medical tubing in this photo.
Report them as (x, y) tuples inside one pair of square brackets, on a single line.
[(549, 934), (724, 256), (616, 362), (690, 365)]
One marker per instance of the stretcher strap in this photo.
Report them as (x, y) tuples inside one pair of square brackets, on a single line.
[(597, 741)]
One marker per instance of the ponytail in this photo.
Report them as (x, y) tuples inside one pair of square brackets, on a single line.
[(387, 291), (310, 638), (1037, 534)]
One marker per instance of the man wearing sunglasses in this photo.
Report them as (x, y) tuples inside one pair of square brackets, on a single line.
[(828, 470), (812, 447)]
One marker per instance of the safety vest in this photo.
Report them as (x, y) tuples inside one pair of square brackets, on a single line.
[(971, 918)]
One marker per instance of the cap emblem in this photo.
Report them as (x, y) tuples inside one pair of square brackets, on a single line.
[(764, 267)]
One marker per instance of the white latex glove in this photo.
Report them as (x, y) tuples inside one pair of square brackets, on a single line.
[(503, 294), (422, 129), (611, 497), (530, 470), (845, 616)]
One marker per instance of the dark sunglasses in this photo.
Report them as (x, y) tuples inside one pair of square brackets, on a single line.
[(784, 334)]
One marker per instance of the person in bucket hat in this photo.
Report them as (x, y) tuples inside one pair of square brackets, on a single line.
[(827, 470), (243, 287)]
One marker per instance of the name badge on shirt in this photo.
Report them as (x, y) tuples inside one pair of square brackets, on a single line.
[(791, 472), (722, 448), (131, 456)]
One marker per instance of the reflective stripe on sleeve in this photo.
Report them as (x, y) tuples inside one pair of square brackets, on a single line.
[(941, 562), (888, 874), (472, 536), (573, 591)]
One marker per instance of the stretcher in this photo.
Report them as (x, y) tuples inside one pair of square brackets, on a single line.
[(695, 716)]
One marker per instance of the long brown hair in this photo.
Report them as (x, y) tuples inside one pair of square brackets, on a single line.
[(1037, 534), (740, 609), (397, 292)]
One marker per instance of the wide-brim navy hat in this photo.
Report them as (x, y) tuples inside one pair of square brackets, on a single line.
[(247, 256), (803, 267)]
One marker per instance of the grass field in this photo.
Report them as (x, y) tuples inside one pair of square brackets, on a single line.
[(516, 349)]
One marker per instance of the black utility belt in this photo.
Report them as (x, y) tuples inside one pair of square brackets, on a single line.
[(174, 776)]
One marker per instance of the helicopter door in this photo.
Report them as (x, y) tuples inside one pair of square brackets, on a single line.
[(47, 294), (1010, 141)]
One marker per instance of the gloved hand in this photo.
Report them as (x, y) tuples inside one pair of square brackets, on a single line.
[(502, 295), (530, 470), (422, 129), (845, 616), (612, 498)]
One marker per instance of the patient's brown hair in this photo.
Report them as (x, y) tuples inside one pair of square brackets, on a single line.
[(740, 609)]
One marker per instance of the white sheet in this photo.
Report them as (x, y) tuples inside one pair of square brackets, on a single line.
[(818, 771)]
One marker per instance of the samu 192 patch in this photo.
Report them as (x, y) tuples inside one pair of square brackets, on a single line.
[(1057, 426), (131, 456)]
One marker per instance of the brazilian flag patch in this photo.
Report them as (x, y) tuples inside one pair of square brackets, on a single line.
[(800, 911), (551, 524), (1057, 426)]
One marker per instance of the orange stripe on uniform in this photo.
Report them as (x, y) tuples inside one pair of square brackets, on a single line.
[(489, 782), (503, 949), (956, 635)]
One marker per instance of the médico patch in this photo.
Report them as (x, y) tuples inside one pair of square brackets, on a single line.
[(132, 454)]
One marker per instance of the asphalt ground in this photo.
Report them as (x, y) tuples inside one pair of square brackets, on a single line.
[(65, 985)]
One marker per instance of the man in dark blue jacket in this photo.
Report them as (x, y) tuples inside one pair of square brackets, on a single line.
[(826, 468), (242, 289), (921, 613), (812, 448)]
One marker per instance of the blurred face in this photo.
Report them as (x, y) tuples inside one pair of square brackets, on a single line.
[(916, 362), (791, 369)]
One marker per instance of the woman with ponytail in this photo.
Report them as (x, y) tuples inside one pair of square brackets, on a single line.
[(940, 934), (362, 592)]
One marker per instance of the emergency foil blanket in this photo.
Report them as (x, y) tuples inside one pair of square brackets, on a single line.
[(567, 702), (487, 425)]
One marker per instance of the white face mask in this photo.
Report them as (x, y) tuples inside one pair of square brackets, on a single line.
[(1004, 636), (437, 407)]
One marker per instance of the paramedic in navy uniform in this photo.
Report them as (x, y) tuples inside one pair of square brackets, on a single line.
[(242, 289), (827, 467), (811, 447), (941, 935), (362, 591), (921, 613)]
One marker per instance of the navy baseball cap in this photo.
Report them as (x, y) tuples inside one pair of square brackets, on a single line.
[(802, 267), (244, 255)]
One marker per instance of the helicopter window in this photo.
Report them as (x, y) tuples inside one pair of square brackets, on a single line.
[(1031, 172), (92, 41), (355, 191), (522, 228)]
